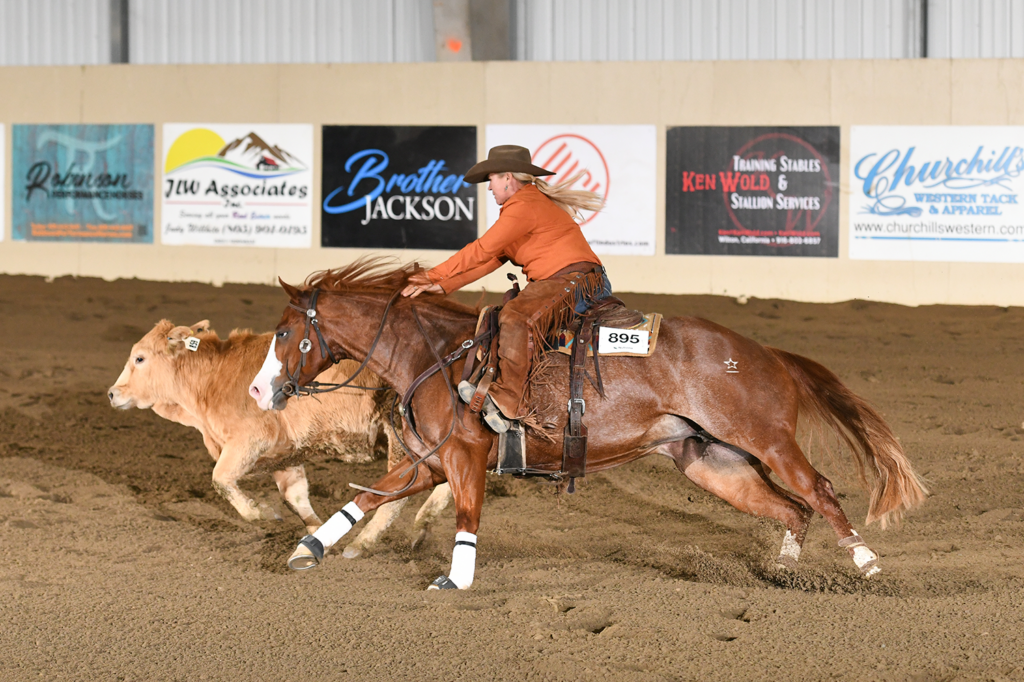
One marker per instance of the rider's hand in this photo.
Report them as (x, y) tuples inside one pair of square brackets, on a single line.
[(420, 283)]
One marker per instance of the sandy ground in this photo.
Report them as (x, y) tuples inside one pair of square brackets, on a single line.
[(118, 560)]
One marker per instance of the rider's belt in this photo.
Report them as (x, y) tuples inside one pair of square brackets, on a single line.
[(582, 267)]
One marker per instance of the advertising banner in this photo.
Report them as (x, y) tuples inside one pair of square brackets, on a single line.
[(82, 183), (237, 184), (744, 191), (398, 187), (620, 163), (937, 193), (3, 169)]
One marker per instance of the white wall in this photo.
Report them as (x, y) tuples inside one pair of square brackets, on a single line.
[(280, 31), (50, 32), (626, 30)]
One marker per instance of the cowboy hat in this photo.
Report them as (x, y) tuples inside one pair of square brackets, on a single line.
[(508, 158)]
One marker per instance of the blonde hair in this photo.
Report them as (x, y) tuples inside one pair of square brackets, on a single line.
[(572, 201)]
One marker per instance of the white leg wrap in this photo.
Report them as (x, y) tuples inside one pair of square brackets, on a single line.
[(862, 555), (338, 525), (790, 547), (463, 560)]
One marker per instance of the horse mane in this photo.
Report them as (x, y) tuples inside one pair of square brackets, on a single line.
[(380, 275)]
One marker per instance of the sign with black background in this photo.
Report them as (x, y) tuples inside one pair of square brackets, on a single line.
[(752, 191), (398, 187)]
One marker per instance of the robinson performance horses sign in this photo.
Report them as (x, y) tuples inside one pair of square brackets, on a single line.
[(83, 183), (398, 187), (237, 185), (753, 191)]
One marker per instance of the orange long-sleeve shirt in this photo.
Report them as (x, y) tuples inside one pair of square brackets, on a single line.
[(531, 231)]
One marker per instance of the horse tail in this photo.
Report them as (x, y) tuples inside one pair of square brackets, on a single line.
[(895, 487)]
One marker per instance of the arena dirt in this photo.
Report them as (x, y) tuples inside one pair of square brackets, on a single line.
[(118, 560)]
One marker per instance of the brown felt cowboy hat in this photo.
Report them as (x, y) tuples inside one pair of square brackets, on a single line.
[(507, 158)]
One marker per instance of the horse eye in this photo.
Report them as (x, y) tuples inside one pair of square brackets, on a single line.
[(282, 334), (139, 359)]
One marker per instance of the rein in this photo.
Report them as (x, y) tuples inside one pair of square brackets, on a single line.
[(292, 387), (404, 409)]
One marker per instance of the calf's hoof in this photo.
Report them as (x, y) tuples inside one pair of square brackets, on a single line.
[(420, 536), (443, 583), (268, 513), (308, 554)]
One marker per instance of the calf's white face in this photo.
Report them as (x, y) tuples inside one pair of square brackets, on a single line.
[(262, 387)]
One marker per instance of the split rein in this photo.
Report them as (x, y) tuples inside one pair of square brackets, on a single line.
[(292, 388)]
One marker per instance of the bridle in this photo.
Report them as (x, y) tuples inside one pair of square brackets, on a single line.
[(292, 387)]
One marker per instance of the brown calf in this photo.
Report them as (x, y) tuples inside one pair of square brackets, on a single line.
[(191, 376)]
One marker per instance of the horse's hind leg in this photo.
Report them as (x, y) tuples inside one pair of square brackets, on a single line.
[(787, 460), (739, 479)]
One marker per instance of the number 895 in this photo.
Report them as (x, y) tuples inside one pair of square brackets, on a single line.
[(623, 337)]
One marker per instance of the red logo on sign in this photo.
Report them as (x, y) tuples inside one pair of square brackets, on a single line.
[(568, 154)]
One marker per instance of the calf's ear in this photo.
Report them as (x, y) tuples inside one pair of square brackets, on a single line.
[(176, 339), (200, 327)]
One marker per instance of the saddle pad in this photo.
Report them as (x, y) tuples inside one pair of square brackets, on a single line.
[(651, 324)]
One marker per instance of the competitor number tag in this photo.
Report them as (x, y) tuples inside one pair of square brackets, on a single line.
[(192, 343), (611, 340)]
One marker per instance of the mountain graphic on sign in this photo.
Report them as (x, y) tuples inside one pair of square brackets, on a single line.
[(250, 155), (253, 151)]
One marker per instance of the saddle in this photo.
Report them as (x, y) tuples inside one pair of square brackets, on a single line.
[(579, 342)]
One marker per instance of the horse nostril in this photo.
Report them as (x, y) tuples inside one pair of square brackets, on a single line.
[(254, 392), (110, 395)]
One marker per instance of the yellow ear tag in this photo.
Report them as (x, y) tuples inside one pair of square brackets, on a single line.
[(192, 343)]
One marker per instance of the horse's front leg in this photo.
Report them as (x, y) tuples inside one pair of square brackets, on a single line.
[(311, 548), (467, 477)]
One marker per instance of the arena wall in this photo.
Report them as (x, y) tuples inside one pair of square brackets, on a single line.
[(666, 94)]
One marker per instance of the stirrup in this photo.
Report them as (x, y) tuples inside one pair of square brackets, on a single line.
[(494, 419), (466, 391)]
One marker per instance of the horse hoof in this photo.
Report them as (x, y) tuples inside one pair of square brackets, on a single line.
[(786, 562), (443, 583), (307, 555), (352, 552), (870, 568)]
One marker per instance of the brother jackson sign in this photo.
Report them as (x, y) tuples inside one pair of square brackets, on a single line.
[(753, 191), (398, 187), (91, 183)]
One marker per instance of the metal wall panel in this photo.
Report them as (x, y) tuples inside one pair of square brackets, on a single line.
[(607, 30), (54, 32), (280, 31), (975, 28)]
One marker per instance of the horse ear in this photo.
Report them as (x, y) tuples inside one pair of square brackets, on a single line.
[(293, 292), (201, 327), (176, 339)]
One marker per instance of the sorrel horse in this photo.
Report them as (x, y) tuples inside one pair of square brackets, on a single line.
[(721, 406)]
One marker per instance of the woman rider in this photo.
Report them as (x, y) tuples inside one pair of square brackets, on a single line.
[(537, 231)]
